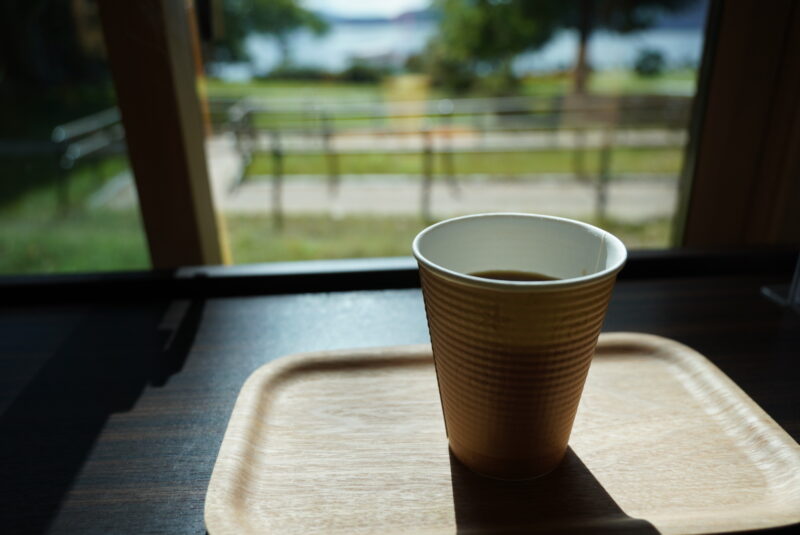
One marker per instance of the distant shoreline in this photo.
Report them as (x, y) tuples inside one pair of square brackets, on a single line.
[(691, 18), (392, 43)]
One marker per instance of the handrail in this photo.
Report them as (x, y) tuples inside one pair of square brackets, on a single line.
[(446, 106), (85, 125)]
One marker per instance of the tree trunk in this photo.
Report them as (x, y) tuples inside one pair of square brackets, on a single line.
[(283, 45), (585, 26)]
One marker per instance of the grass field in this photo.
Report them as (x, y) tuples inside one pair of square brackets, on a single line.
[(39, 235), (290, 89), (681, 82), (85, 241), (626, 82), (43, 199), (499, 165), (111, 241), (255, 239)]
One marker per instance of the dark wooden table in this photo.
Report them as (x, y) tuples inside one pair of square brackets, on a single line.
[(116, 390)]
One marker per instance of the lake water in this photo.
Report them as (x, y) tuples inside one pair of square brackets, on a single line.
[(392, 42)]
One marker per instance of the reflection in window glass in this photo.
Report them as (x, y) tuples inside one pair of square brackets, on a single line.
[(343, 128), (67, 201)]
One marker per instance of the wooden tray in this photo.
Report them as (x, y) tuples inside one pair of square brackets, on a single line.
[(353, 442)]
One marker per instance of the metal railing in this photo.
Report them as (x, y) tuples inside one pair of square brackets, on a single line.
[(280, 127), (86, 138)]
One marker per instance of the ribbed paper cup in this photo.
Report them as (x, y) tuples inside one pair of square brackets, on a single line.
[(512, 357)]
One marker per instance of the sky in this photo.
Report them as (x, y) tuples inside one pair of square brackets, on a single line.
[(365, 8)]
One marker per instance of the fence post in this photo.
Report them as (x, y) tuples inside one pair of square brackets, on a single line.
[(64, 165), (579, 154), (448, 164), (240, 116), (331, 158), (427, 175), (603, 177), (305, 118), (277, 179), (251, 134)]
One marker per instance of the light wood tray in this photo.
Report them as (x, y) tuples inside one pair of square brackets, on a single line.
[(353, 442)]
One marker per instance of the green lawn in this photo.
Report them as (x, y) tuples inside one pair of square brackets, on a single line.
[(626, 82), (500, 165), (109, 241), (41, 197), (546, 85), (40, 235), (314, 91), (81, 241), (617, 82), (255, 239)]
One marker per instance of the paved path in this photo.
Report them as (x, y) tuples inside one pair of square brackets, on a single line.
[(631, 198), (467, 140)]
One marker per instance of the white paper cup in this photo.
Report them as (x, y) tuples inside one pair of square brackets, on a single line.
[(512, 356)]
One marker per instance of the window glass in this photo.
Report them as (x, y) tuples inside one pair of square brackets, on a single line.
[(67, 201), (341, 128)]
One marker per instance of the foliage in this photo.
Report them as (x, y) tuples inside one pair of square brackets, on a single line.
[(415, 64), (649, 63), (274, 17), (493, 32), (501, 83), (294, 72), (619, 16), (362, 72), (358, 72), (447, 72), (477, 38), (52, 70), (40, 43), (482, 38)]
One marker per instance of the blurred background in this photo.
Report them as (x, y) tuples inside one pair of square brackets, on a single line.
[(340, 128)]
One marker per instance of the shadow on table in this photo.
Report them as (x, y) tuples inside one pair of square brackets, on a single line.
[(567, 500), (47, 432)]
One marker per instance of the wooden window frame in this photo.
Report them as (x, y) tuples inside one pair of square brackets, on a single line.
[(152, 49), (741, 180)]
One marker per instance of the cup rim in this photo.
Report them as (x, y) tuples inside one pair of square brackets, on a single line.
[(496, 284)]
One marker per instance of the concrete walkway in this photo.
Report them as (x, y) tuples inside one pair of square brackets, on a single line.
[(630, 198), (475, 141)]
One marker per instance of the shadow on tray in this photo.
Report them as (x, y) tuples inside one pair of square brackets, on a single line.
[(567, 500)]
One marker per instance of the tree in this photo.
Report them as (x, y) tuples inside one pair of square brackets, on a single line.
[(278, 18), (486, 35), (621, 16), (41, 43)]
